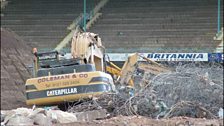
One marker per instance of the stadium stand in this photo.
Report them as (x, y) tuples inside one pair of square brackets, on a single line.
[(41, 23), (125, 25), (158, 25)]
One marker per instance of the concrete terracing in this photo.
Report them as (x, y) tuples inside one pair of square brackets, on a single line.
[(158, 25), (42, 23)]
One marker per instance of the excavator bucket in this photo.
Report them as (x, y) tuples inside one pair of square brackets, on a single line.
[(128, 69), (131, 65)]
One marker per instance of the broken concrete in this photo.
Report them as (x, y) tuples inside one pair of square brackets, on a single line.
[(19, 120), (61, 117), (43, 120), (22, 111), (40, 116), (32, 114), (91, 115)]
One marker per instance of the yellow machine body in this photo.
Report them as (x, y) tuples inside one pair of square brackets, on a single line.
[(49, 90)]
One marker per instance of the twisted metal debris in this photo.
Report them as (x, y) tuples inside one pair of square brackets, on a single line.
[(195, 82), (193, 89)]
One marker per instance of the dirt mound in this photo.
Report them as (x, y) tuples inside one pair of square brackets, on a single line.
[(143, 121), (15, 57), (193, 90)]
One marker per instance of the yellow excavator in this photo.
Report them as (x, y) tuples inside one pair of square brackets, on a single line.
[(57, 79)]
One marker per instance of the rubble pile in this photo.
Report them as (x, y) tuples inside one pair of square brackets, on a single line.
[(37, 116), (110, 102), (201, 84), (47, 116), (193, 90), (141, 104)]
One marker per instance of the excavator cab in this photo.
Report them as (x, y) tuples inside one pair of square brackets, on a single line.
[(49, 63)]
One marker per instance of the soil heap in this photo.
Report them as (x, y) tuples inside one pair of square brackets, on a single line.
[(15, 58)]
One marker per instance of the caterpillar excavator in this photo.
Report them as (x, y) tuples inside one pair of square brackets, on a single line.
[(57, 79)]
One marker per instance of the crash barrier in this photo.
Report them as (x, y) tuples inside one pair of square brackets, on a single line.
[(217, 57), (199, 57), (146, 49)]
